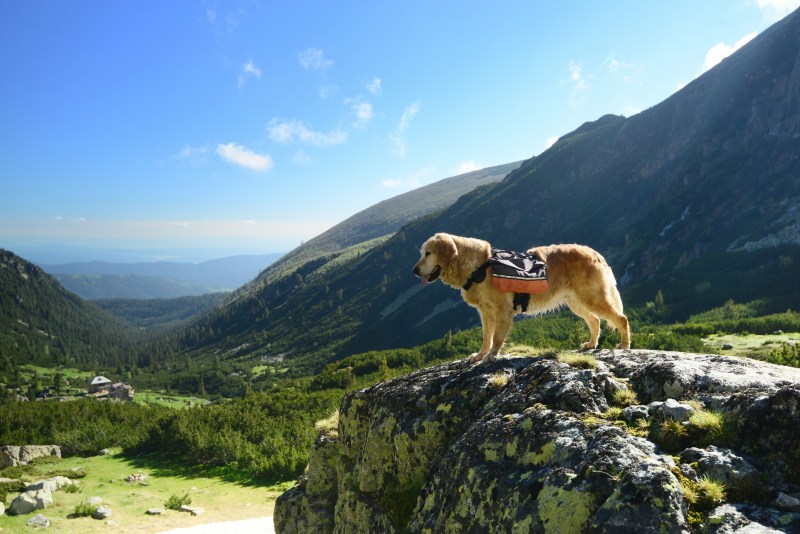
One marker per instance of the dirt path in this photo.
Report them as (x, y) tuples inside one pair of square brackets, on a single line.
[(257, 525)]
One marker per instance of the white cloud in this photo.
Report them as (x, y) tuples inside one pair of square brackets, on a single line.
[(777, 9), (248, 70), (720, 51), (551, 141), (466, 166), (313, 59), (362, 109), (399, 136), (630, 72), (295, 131), (580, 86), (244, 157), (374, 86), (191, 152), (410, 182)]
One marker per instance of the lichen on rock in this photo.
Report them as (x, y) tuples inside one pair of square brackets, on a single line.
[(444, 449)]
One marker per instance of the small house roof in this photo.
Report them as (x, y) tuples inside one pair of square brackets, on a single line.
[(98, 380)]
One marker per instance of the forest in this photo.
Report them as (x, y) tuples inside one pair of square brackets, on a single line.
[(265, 432)]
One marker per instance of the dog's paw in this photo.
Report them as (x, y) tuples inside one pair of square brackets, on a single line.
[(492, 356), (624, 347), (588, 346), (476, 357)]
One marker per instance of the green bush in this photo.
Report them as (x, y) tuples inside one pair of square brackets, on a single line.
[(84, 509), (175, 502)]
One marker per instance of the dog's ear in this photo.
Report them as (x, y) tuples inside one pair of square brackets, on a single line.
[(446, 248)]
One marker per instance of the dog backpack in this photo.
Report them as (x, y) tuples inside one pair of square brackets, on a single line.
[(517, 272)]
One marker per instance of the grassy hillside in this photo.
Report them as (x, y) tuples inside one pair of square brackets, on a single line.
[(220, 492)]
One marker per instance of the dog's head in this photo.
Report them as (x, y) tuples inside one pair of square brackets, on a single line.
[(435, 257)]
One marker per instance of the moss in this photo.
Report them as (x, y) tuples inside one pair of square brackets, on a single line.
[(444, 407), (562, 510), (490, 451), (511, 448), (412, 455), (542, 457), (523, 527), (400, 500)]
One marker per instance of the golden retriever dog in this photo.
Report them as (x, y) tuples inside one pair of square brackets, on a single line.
[(577, 277)]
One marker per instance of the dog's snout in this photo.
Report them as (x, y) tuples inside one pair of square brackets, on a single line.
[(415, 270)]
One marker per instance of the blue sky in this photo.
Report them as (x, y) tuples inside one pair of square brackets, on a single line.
[(254, 125)]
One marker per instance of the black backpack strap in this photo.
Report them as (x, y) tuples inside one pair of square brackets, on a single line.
[(478, 275), (521, 300)]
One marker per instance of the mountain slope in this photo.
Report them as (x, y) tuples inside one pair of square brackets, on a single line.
[(698, 196), (386, 217), (42, 323)]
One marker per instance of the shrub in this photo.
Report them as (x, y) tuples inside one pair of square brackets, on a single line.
[(175, 502), (84, 509)]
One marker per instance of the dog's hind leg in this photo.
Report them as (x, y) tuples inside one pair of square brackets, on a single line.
[(620, 322), (592, 321)]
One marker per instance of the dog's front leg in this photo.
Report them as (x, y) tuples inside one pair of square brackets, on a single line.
[(488, 324), (501, 329)]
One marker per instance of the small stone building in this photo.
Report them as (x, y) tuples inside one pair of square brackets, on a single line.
[(99, 384), (121, 391)]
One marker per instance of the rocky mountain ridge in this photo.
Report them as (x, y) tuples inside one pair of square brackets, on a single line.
[(706, 443)]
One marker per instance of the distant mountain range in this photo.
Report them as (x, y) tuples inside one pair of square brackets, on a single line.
[(43, 319), (104, 280), (698, 197)]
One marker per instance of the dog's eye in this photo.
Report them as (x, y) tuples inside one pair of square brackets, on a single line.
[(427, 254)]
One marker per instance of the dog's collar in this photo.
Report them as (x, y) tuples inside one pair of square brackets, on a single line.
[(478, 275)]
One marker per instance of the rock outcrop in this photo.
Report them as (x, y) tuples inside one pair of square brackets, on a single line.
[(707, 444), (13, 455)]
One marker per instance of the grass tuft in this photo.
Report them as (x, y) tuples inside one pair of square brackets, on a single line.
[(329, 427), (581, 361), (711, 492), (498, 380), (624, 397)]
